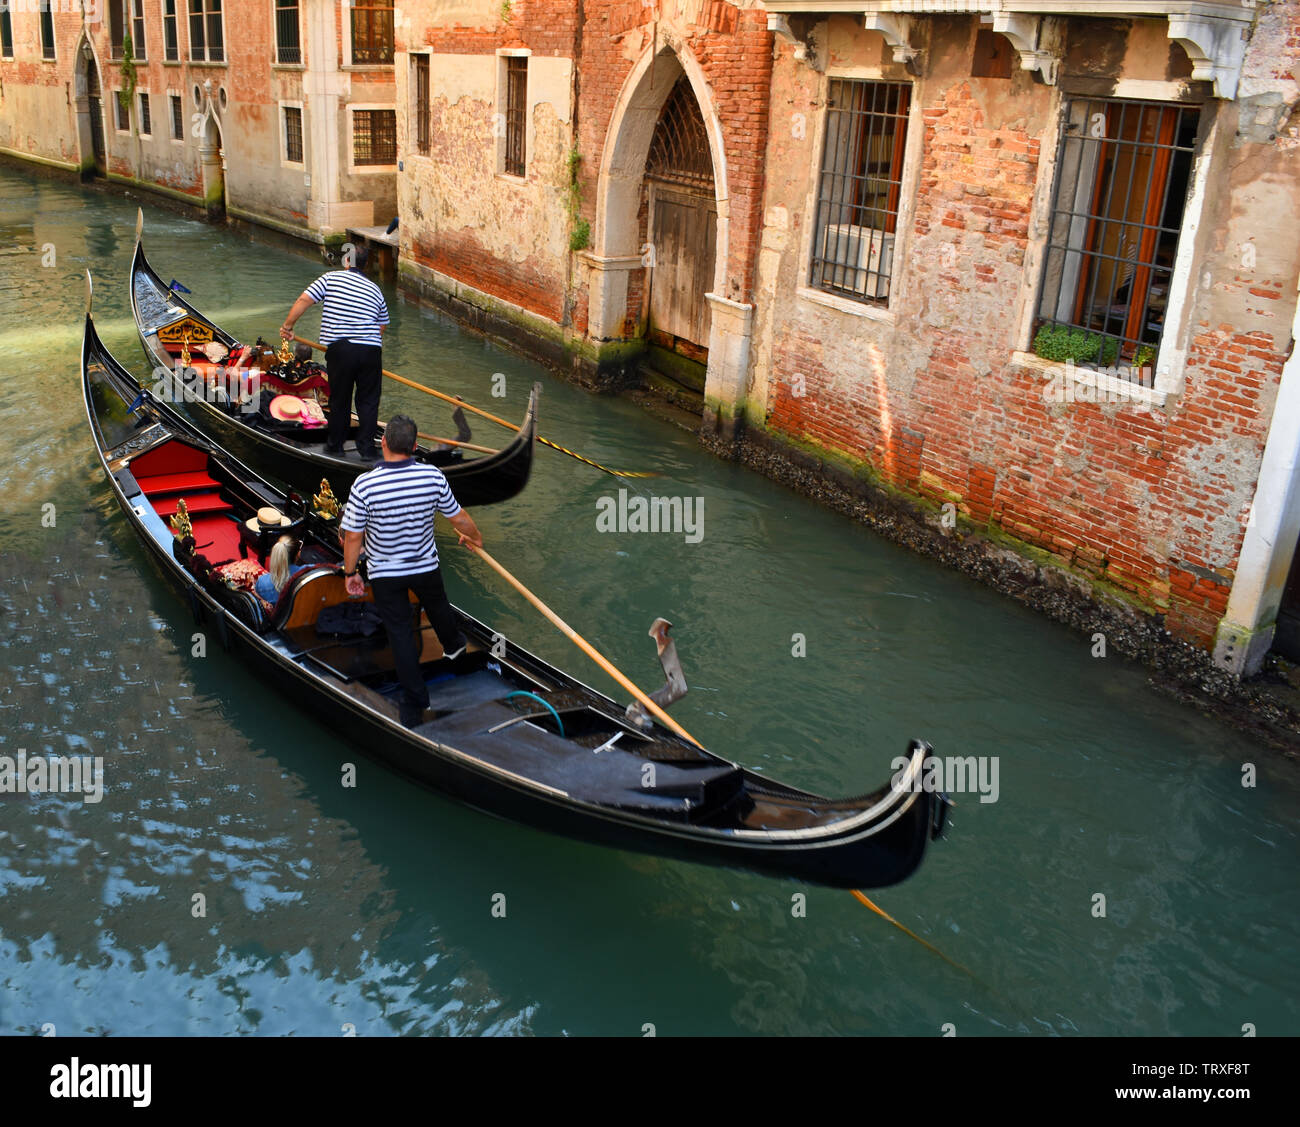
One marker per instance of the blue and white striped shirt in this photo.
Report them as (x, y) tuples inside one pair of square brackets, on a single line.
[(394, 505), (354, 308)]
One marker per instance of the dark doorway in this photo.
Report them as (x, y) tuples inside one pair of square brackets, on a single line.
[(95, 113)]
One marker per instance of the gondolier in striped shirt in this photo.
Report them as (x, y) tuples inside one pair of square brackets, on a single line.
[(353, 319), (390, 512)]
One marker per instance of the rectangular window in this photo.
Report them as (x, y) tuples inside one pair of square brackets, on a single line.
[(178, 118), (123, 113), (171, 41), (374, 136), (288, 44), (116, 27), (6, 33), (859, 188), (146, 119), (293, 134), (207, 39), (372, 33), (137, 30), (1123, 172), (47, 30), (516, 115), (421, 108)]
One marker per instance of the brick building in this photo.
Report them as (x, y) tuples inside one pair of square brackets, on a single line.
[(1033, 260), (274, 111)]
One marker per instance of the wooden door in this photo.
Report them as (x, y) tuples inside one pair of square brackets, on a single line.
[(684, 234)]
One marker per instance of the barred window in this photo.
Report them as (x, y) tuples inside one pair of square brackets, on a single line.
[(1123, 172), (374, 136), (288, 43), (137, 30), (372, 33), (421, 109), (6, 33), (516, 156), (171, 44), (123, 113), (293, 134), (859, 188), (47, 30), (207, 37), (146, 120), (178, 118)]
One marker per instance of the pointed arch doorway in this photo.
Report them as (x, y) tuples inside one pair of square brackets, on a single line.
[(682, 228), (90, 113)]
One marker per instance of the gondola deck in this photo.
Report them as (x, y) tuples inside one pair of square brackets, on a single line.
[(506, 732)]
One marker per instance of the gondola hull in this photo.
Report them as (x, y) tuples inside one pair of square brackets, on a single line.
[(482, 480), (514, 768)]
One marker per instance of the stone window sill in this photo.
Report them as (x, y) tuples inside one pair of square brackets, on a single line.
[(844, 305), (1064, 383)]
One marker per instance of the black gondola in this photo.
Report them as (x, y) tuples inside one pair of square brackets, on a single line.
[(290, 453), (509, 733)]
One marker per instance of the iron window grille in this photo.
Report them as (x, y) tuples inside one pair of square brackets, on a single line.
[(293, 134), (123, 114), (1123, 173), (374, 137), (6, 33), (146, 119), (372, 33), (178, 118), (171, 42), (859, 188), (207, 39), (422, 140), (288, 42), (47, 30), (516, 115)]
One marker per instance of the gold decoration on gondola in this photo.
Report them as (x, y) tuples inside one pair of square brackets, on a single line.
[(285, 356), (180, 522), (325, 504), (185, 351)]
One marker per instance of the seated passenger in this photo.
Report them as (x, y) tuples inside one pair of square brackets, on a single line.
[(280, 569)]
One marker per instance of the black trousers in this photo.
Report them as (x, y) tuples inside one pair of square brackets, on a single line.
[(358, 367), (394, 607)]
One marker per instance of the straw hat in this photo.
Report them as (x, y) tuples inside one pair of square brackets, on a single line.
[(267, 517), (215, 351), (286, 408)]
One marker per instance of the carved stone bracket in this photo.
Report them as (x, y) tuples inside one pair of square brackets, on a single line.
[(779, 25), (899, 32), (1036, 40), (1216, 47)]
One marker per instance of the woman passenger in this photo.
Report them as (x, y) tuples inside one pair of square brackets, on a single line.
[(280, 569)]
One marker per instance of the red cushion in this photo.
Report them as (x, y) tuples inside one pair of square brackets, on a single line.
[(220, 534), (203, 503), (157, 484), (170, 458)]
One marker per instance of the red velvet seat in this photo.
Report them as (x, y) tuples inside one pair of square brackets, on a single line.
[(203, 503), (158, 484)]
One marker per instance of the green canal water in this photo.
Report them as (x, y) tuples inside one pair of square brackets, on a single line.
[(331, 909)]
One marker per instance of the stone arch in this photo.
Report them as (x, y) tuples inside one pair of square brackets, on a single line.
[(89, 131), (212, 159), (615, 247)]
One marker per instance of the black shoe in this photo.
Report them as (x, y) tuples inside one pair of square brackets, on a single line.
[(367, 454), (457, 648), (337, 451), (412, 717)]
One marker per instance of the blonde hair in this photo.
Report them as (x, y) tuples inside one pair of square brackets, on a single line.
[(278, 564)]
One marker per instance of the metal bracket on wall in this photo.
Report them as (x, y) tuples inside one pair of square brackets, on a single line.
[(901, 33)]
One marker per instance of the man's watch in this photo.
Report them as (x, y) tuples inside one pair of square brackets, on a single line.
[(350, 574)]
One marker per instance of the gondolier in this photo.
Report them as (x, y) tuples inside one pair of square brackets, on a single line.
[(390, 512), (353, 319)]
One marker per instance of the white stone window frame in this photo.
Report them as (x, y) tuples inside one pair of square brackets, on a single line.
[(285, 162), (912, 153), (130, 16), (1171, 359), (206, 61), (172, 92), (355, 169), (499, 117), (182, 34), (139, 112), (41, 57), (275, 42), (345, 37)]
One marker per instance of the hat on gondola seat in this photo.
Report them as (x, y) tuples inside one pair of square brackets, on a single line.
[(267, 517), (286, 408)]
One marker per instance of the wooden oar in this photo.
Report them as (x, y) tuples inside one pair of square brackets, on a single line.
[(488, 415), (586, 647), (455, 442)]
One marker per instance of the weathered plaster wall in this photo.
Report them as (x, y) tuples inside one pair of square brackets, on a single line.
[(931, 394)]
